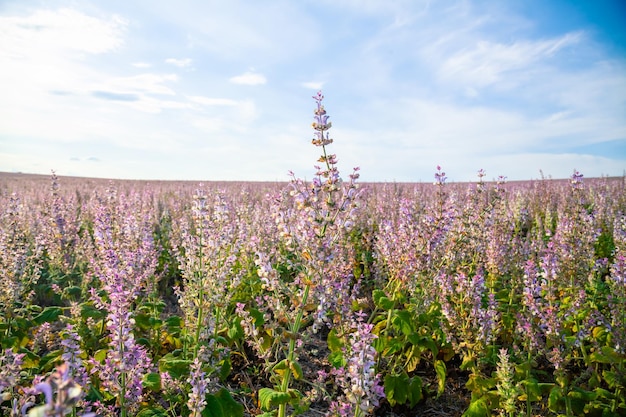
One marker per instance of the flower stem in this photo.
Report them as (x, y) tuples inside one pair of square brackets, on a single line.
[(282, 408)]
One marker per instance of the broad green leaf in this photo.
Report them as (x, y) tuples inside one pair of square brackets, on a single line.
[(48, 315), (142, 321), (101, 355), (225, 368), (235, 331), (213, 407), (72, 292), (336, 359), (556, 400), (403, 321), (269, 398), (334, 342), (415, 391), (231, 407), (174, 365), (413, 359), (381, 300), (396, 388), (477, 408), (153, 411), (441, 370), (152, 381), (88, 310), (531, 387)]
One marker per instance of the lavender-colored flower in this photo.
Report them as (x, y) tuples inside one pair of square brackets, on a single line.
[(361, 386), (61, 394), (196, 401), (577, 180), (10, 367), (124, 261), (440, 177), (72, 356)]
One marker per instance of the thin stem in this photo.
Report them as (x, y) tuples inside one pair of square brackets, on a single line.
[(282, 408)]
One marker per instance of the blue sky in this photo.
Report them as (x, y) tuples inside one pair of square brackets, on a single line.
[(221, 90)]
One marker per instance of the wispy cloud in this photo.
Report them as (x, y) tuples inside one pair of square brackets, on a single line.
[(108, 95), (181, 63), (488, 62), (211, 101), (249, 78), (314, 85)]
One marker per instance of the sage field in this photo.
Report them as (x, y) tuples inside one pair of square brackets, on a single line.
[(327, 297)]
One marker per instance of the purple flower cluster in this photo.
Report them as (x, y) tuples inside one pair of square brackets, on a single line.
[(470, 312), (72, 355), (617, 302), (358, 380), (123, 263), (196, 401), (61, 393), (10, 367)]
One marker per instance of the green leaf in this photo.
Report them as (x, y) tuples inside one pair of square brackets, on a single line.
[(579, 398), (152, 412), (531, 387), (413, 359), (174, 325), (296, 370), (101, 355), (403, 321), (48, 315), (397, 388), (441, 370), (477, 408), (334, 342), (606, 355), (336, 359), (269, 398), (259, 319), (381, 301), (142, 321), (556, 399), (213, 407), (72, 292), (415, 391), (174, 365), (88, 310), (613, 379), (48, 361), (231, 407), (31, 359), (235, 331), (152, 381), (225, 367)]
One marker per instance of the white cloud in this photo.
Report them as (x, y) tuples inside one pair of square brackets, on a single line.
[(490, 62), (249, 78), (49, 32), (141, 65), (314, 85), (181, 63), (148, 83), (210, 101)]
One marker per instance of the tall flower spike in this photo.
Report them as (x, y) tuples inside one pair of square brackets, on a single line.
[(321, 123)]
